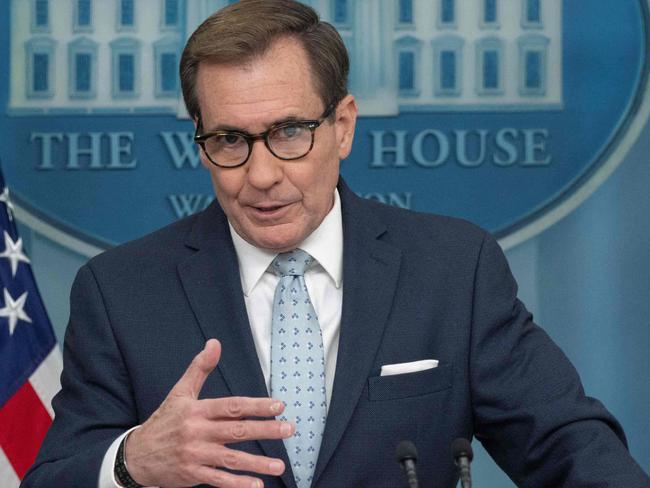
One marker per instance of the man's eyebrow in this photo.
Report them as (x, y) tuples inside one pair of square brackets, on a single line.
[(228, 127), (225, 127)]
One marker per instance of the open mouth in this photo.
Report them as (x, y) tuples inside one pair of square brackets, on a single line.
[(269, 209)]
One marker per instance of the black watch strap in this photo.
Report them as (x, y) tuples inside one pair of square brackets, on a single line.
[(121, 473)]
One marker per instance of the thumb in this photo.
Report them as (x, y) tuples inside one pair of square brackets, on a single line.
[(197, 372)]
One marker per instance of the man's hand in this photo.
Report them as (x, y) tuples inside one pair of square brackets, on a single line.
[(184, 441)]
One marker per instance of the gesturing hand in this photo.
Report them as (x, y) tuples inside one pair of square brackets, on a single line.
[(184, 441)]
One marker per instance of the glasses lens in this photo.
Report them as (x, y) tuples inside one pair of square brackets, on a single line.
[(290, 141), (227, 149)]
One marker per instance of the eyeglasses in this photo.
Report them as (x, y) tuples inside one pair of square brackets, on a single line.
[(289, 140)]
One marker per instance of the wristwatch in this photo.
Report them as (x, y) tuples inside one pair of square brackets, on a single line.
[(121, 473)]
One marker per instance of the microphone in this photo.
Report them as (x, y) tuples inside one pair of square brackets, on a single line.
[(462, 452), (407, 456)]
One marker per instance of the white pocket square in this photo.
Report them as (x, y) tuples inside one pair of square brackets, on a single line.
[(412, 367)]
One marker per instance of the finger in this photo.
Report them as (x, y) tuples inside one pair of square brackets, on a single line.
[(230, 431), (235, 460), (223, 479), (196, 373), (240, 407)]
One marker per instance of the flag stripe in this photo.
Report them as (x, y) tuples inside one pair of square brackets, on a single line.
[(8, 478), (24, 422), (46, 379)]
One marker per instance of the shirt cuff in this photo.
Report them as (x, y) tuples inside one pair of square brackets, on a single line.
[(107, 471)]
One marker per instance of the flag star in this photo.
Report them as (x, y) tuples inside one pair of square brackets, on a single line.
[(13, 252), (4, 198), (13, 310)]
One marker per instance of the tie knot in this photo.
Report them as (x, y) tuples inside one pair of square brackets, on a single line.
[(292, 263)]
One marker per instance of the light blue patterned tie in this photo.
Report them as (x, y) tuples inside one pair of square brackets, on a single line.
[(298, 364)]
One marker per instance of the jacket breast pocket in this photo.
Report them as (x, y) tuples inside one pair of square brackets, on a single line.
[(409, 384)]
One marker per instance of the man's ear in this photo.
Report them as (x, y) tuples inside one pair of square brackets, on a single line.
[(346, 121)]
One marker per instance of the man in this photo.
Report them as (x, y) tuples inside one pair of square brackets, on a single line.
[(410, 322)]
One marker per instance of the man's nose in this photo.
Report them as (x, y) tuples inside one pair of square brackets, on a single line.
[(264, 169)]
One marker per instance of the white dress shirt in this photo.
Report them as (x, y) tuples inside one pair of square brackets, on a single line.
[(325, 285)]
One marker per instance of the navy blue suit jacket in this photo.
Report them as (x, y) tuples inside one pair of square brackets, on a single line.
[(416, 287)]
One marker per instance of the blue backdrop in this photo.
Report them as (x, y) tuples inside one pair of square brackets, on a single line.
[(586, 278)]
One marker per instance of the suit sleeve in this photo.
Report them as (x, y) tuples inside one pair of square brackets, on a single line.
[(530, 409), (95, 404)]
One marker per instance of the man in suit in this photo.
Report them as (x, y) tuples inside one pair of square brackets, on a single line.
[(423, 337)]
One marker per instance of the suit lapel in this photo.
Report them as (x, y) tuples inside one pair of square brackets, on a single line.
[(211, 282), (370, 271)]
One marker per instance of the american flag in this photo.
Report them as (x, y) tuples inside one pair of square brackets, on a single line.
[(30, 360)]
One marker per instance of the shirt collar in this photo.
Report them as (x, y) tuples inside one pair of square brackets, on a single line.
[(325, 245)]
